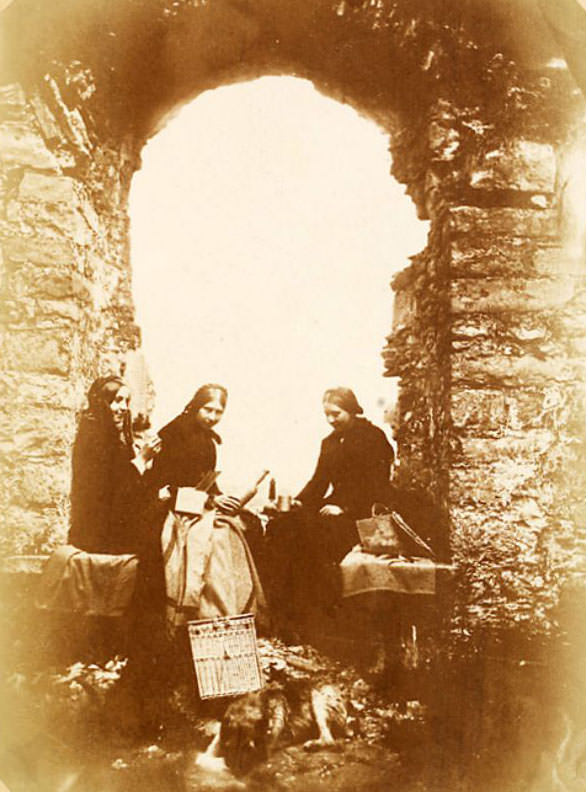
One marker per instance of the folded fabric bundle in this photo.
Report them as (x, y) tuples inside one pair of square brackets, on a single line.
[(92, 584)]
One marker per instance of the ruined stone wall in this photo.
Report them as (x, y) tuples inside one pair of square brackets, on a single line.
[(67, 309), (488, 340)]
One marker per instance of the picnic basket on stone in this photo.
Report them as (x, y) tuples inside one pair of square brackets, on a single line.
[(385, 532), (225, 655)]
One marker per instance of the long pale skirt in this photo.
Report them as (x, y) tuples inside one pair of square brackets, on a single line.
[(209, 570)]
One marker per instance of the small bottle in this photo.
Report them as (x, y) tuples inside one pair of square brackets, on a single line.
[(272, 490)]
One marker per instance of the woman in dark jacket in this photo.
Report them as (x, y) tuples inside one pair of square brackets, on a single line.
[(354, 460), (352, 473)]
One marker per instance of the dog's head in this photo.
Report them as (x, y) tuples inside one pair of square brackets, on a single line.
[(243, 733)]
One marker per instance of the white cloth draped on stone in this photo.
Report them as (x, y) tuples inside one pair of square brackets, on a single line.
[(93, 584), (209, 570), (362, 572)]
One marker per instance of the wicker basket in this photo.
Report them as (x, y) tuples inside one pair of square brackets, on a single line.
[(225, 656)]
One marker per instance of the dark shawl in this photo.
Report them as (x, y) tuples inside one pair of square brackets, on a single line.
[(106, 490), (356, 463), (187, 453)]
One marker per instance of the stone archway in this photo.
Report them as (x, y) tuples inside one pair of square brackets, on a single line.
[(487, 336)]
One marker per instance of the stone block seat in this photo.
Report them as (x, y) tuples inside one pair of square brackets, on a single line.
[(35, 639)]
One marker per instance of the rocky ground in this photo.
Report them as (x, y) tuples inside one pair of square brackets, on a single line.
[(71, 730)]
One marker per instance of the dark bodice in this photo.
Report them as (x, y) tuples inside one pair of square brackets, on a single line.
[(187, 453)]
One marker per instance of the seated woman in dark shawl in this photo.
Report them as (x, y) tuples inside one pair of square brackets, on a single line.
[(209, 570), (112, 515), (107, 490)]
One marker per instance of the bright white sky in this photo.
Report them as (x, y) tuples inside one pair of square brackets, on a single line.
[(265, 231)]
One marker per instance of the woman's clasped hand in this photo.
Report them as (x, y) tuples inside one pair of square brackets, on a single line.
[(150, 448), (227, 504), (331, 510)]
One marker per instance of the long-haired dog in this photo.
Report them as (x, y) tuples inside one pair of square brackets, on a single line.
[(257, 724)]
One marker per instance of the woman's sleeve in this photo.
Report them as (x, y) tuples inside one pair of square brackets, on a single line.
[(367, 474), (312, 494), (91, 489), (377, 469), (159, 473), (129, 501), (384, 460)]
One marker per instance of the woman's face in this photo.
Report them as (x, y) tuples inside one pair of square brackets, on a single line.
[(337, 418), (210, 413), (119, 406)]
